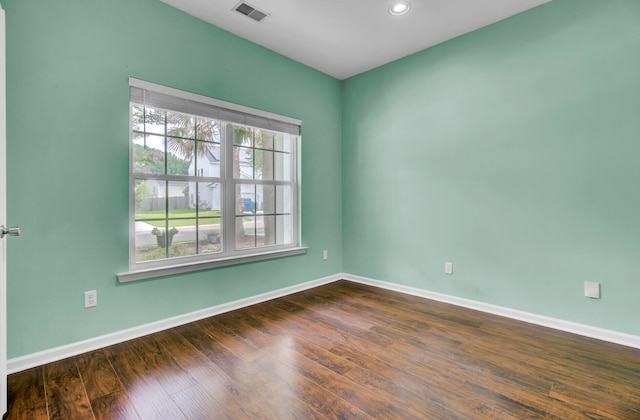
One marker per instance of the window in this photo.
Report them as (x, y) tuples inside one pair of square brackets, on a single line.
[(211, 183)]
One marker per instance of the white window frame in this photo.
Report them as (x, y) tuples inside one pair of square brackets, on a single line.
[(227, 113)]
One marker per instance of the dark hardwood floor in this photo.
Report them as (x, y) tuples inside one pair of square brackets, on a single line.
[(343, 350)]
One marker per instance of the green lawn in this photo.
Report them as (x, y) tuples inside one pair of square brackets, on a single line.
[(189, 216)]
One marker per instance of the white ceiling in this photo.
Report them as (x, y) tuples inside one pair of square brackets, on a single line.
[(345, 37)]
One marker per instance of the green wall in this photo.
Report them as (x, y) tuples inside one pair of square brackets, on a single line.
[(68, 64), (514, 152)]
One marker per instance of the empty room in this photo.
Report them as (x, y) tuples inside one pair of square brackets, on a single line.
[(219, 209)]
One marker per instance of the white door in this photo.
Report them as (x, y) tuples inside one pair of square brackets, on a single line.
[(3, 214)]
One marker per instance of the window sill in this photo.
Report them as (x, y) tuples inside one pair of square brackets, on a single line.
[(204, 265)]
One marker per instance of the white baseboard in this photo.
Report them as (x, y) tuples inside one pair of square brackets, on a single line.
[(58, 353), (558, 324)]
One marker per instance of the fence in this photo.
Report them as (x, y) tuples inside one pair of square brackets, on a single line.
[(151, 204)]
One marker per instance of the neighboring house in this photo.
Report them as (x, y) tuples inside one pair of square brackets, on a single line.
[(157, 188), (208, 165)]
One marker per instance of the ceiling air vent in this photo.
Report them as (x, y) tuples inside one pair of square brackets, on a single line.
[(250, 11)]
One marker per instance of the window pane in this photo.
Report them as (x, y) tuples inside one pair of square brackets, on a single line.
[(207, 162), (265, 139), (266, 198), (209, 194), (154, 121), (242, 163), (283, 199), (137, 117), (265, 230), (181, 237), (137, 138), (147, 203), (243, 136), (148, 154), (238, 200), (178, 200), (181, 125), (284, 230), (263, 164), (179, 153), (150, 199), (210, 233), (245, 199), (181, 220), (280, 143), (282, 166), (148, 246), (150, 219), (208, 211), (245, 232), (208, 129)]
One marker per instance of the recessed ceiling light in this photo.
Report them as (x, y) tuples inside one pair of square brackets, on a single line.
[(399, 8)]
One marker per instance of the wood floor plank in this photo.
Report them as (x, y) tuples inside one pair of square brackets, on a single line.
[(234, 340), (231, 399), (169, 374), (143, 388), (347, 390), (316, 397), (220, 396), (66, 395), (244, 376), (225, 353), (589, 397), (26, 396), (342, 350), (114, 406), (97, 374), (236, 323), (196, 403)]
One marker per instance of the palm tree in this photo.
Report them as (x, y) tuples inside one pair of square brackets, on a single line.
[(185, 133)]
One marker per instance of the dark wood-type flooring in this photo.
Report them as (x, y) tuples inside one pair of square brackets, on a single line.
[(340, 351)]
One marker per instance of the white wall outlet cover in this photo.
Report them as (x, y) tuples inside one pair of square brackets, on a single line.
[(448, 268), (90, 299), (592, 289)]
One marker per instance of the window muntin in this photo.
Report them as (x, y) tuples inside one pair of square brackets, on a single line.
[(206, 189)]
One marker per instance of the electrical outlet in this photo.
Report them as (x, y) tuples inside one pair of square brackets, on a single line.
[(448, 268), (592, 289), (90, 299), (325, 255)]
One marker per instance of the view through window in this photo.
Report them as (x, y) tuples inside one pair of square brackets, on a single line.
[(207, 188)]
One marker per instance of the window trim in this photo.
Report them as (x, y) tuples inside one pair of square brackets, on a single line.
[(168, 270), (181, 101)]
